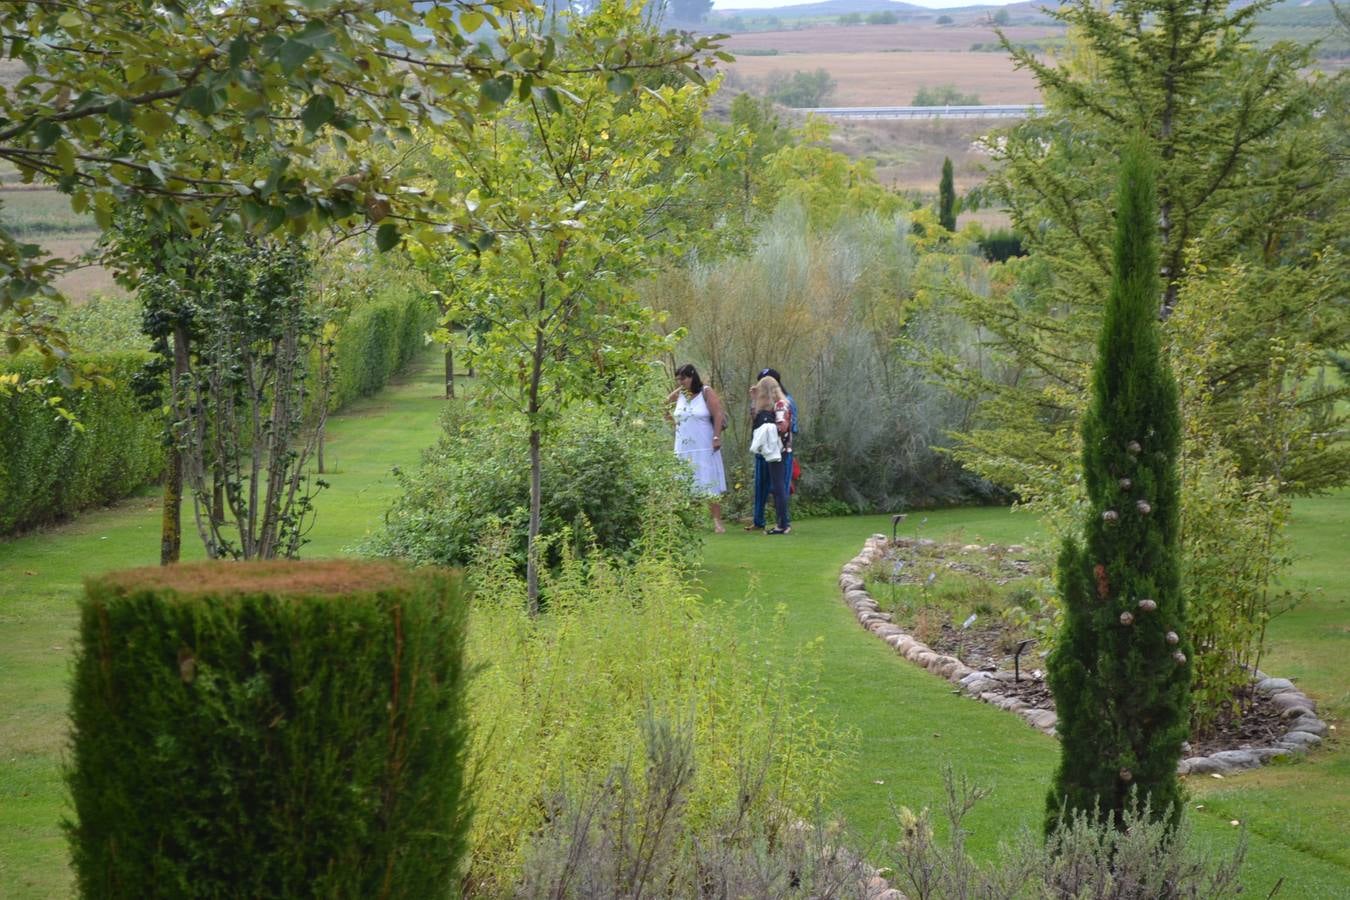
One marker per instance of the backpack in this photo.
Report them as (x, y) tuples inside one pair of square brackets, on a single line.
[(792, 407)]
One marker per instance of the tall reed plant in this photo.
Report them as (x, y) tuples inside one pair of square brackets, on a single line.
[(835, 309)]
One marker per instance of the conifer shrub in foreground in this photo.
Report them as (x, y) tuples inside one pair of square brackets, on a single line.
[(1121, 671), (276, 729)]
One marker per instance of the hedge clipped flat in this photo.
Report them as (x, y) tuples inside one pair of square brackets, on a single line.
[(269, 729)]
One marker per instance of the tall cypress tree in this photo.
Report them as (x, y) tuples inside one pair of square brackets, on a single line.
[(1121, 671), (947, 196)]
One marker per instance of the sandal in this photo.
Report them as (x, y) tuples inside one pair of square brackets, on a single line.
[(754, 528)]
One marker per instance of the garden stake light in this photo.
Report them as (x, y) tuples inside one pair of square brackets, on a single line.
[(1017, 658)]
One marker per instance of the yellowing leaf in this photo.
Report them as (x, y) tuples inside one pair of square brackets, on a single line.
[(65, 157), (153, 122)]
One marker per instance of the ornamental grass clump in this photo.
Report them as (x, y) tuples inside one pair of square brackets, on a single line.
[(1121, 671), (274, 729)]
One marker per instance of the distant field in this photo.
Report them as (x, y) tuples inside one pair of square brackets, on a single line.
[(42, 216), (882, 38), (81, 284), (908, 154), (34, 211), (891, 79)]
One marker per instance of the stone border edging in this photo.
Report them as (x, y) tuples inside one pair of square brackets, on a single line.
[(1305, 728)]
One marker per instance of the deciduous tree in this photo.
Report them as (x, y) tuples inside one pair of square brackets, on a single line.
[(114, 91), (578, 184)]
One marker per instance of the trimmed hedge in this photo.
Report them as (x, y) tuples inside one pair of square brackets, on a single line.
[(378, 340), (278, 729), (50, 469)]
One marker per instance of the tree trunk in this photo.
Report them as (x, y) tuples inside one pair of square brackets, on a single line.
[(532, 553), (536, 468), (449, 374), (171, 525), (218, 494), (171, 522)]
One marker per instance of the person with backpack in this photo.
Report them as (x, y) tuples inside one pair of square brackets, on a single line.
[(699, 422), (763, 481)]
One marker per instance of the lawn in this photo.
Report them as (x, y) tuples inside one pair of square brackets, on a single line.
[(905, 724), (909, 724)]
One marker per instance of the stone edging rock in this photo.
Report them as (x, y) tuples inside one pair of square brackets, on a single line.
[(1305, 728)]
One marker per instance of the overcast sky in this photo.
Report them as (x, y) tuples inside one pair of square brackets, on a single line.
[(931, 4)]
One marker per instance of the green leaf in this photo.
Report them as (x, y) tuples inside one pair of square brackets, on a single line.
[(551, 101), (620, 83), (497, 91), (292, 55), (387, 237), (317, 112), (48, 133), (298, 206), (485, 241), (198, 98), (239, 51), (120, 111), (316, 34), (471, 21)]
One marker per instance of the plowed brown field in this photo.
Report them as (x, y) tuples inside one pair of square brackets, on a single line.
[(879, 38), (891, 79)]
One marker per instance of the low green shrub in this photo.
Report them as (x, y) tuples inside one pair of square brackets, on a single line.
[(563, 698), (52, 467), (600, 479), (269, 730), (1001, 245)]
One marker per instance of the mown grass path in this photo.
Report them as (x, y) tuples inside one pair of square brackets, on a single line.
[(907, 723)]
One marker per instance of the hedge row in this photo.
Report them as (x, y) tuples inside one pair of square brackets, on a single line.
[(277, 729), (50, 469), (377, 340)]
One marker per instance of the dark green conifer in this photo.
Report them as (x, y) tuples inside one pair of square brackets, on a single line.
[(1121, 671), (947, 197)]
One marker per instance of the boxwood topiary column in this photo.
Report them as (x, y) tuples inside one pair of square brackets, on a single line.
[(1121, 671), (276, 729)]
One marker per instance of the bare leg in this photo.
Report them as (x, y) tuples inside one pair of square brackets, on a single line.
[(715, 507)]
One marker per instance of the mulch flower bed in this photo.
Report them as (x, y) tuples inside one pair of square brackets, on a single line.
[(1254, 720), (1259, 725)]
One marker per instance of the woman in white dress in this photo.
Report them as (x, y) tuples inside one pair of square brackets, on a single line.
[(699, 420)]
